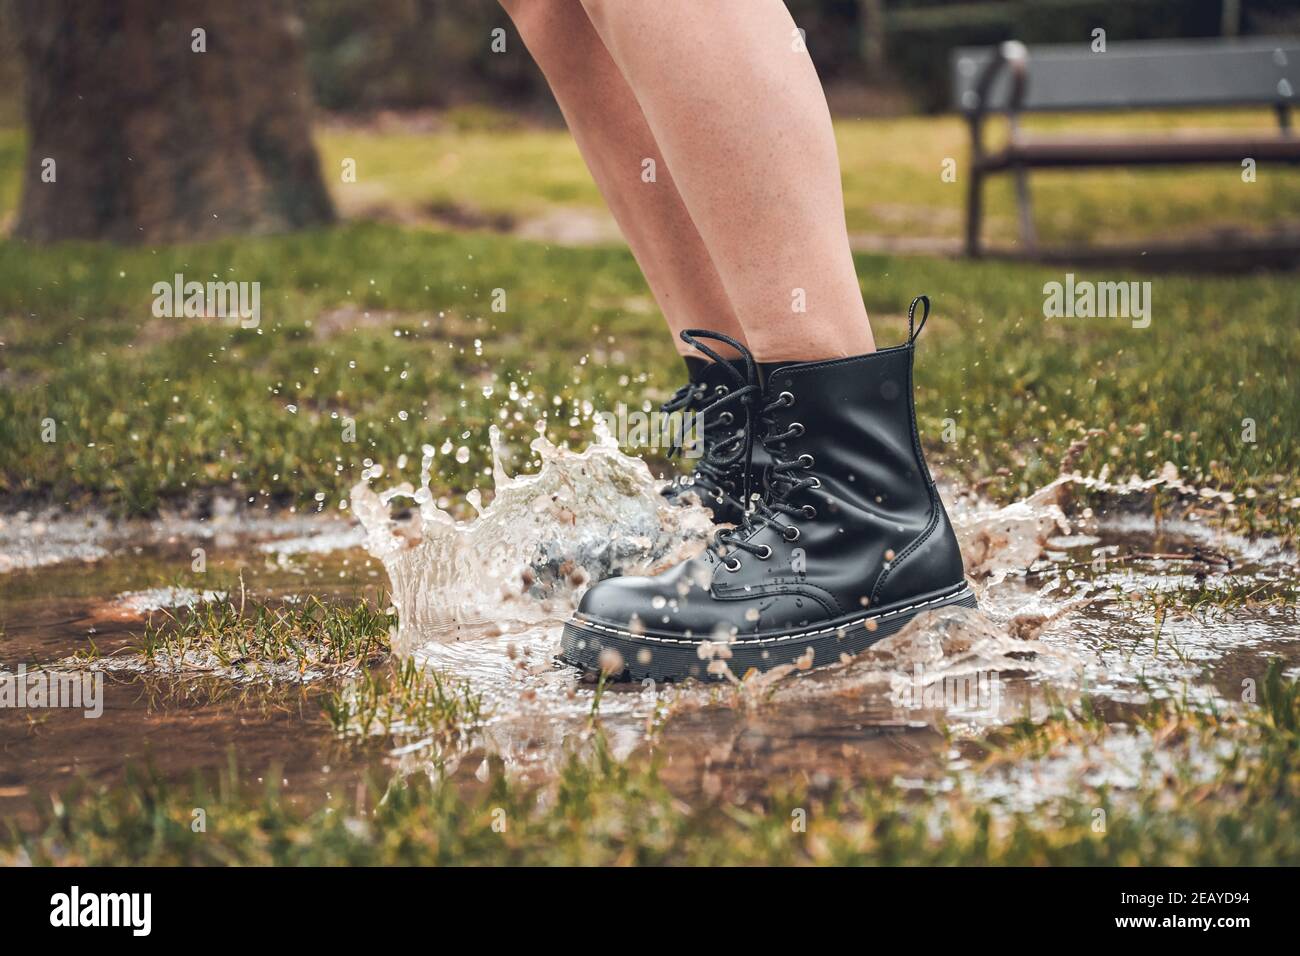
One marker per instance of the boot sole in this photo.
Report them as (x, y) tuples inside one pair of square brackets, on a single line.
[(665, 658)]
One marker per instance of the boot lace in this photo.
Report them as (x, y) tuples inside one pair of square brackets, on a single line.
[(782, 478), (715, 470)]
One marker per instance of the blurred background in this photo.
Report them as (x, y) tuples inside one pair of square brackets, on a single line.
[(876, 56), (409, 89)]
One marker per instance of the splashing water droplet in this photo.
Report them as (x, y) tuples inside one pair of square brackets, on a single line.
[(531, 552)]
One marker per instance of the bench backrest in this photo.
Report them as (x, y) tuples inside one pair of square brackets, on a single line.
[(1145, 75)]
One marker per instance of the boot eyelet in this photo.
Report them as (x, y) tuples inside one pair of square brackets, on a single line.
[(721, 390), (726, 418), (806, 461), (816, 482), (796, 429), (808, 511), (733, 565), (765, 553), (786, 398), (791, 533)]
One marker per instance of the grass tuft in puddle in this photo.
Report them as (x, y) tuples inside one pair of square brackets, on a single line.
[(410, 702), (1207, 600), (308, 635)]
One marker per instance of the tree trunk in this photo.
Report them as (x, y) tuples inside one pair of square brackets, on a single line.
[(136, 135), (872, 15)]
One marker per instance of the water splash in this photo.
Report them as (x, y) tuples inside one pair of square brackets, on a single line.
[(1042, 634), (533, 550), (996, 541)]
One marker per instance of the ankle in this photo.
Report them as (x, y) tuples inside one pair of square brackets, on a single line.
[(794, 348)]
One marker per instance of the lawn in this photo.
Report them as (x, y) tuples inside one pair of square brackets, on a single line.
[(892, 168), (483, 167), (392, 329)]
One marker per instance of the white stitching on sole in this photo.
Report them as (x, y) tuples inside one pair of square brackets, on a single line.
[(803, 635)]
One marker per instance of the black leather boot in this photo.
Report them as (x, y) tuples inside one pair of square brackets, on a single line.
[(717, 480), (848, 543)]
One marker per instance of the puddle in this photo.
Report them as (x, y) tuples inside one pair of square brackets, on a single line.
[(483, 600), (37, 539)]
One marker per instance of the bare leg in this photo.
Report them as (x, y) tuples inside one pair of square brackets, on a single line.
[(612, 134), (736, 107)]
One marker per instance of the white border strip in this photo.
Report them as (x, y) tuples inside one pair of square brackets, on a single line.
[(802, 635)]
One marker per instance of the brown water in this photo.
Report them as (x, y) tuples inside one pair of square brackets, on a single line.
[(1054, 623)]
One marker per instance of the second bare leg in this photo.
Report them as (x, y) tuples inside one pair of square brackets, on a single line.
[(624, 159), (735, 104)]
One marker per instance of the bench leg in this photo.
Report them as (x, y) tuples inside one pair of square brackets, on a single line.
[(1028, 235), (974, 203)]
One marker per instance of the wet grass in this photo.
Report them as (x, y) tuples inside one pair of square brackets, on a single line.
[(366, 350), (387, 336), (376, 339), (307, 634), (602, 811), (1209, 600)]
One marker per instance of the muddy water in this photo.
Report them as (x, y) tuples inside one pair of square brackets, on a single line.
[(72, 587), (1056, 621)]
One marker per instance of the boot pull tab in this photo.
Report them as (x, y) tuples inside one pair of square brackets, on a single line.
[(911, 314)]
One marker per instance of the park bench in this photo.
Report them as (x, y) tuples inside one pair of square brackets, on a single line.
[(1012, 79)]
